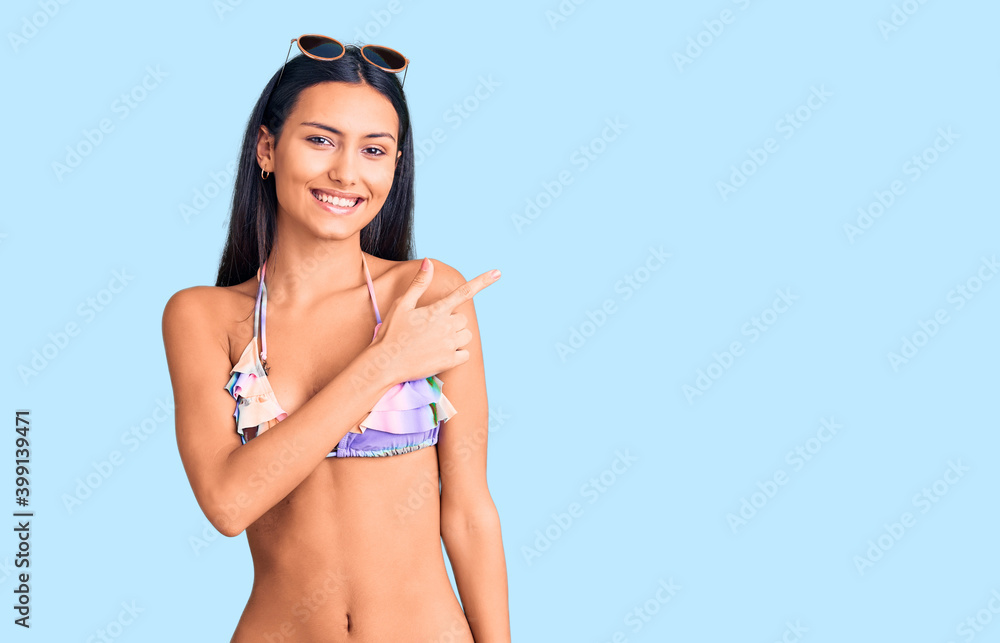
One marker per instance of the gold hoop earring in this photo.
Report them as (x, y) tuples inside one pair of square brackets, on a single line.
[(263, 173)]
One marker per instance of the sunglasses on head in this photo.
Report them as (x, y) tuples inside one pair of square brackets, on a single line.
[(326, 48)]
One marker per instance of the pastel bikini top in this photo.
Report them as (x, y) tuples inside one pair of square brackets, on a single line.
[(406, 418)]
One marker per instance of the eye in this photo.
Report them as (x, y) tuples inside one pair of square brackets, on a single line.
[(379, 152), (318, 138)]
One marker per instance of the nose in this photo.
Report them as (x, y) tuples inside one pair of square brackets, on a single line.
[(343, 168)]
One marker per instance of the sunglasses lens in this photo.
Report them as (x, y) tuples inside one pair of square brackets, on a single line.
[(384, 57), (321, 47)]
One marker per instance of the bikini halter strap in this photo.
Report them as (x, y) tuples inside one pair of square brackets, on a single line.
[(260, 311), (371, 289)]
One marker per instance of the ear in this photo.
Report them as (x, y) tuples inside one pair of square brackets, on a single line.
[(265, 149), (398, 154)]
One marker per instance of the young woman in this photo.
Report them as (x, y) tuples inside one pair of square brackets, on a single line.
[(329, 382)]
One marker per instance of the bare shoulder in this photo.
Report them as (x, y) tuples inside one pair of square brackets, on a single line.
[(194, 303), (210, 309), (446, 279)]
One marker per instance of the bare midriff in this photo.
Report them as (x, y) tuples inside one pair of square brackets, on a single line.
[(354, 554)]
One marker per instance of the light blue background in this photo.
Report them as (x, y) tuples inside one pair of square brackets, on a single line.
[(565, 419)]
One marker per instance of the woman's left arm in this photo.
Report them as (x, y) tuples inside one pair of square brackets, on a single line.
[(470, 525)]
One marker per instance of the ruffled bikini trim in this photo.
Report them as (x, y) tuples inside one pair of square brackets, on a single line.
[(257, 409), (415, 406)]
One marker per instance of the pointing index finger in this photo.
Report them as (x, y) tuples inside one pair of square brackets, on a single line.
[(467, 291)]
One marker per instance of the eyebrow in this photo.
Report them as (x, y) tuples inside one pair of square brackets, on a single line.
[(339, 133)]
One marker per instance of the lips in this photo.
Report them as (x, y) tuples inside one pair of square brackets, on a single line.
[(337, 198)]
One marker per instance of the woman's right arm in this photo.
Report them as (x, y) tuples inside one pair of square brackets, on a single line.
[(236, 483)]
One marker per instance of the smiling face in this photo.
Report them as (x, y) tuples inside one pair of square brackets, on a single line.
[(334, 162)]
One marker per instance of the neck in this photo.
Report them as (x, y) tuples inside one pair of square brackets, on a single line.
[(299, 274)]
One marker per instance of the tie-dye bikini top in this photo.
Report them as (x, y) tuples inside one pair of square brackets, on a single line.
[(406, 418)]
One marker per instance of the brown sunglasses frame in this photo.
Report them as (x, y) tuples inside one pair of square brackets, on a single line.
[(343, 50)]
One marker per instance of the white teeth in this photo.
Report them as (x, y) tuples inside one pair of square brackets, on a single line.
[(344, 203)]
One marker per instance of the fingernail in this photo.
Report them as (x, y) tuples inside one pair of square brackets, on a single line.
[(425, 264), (495, 274)]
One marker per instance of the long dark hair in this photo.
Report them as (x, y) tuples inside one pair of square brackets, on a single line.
[(252, 222)]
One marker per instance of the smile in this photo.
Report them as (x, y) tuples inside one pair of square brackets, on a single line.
[(338, 205)]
